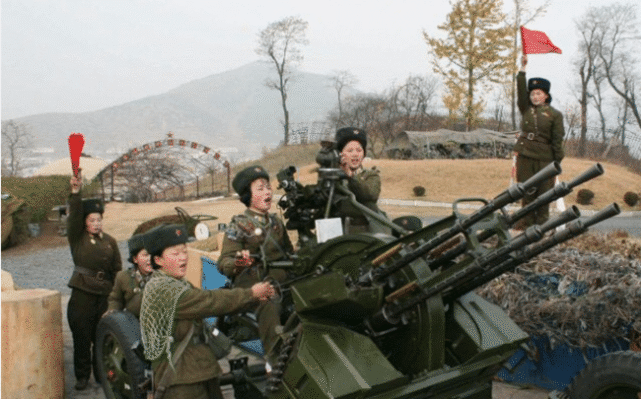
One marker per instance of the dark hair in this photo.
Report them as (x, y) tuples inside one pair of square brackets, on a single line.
[(154, 265), (246, 197)]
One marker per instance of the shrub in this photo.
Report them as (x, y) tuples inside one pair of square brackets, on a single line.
[(584, 196), (630, 198), (40, 193), (419, 191)]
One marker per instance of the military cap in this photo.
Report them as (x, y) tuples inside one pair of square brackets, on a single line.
[(136, 244), (411, 223), (164, 236), (346, 134), (245, 177), (92, 205), (539, 83)]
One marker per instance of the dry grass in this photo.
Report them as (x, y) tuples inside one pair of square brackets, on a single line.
[(445, 181)]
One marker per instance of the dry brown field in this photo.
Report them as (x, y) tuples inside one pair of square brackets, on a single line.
[(444, 181)]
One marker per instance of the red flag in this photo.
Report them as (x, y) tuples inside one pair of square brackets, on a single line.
[(537, 42), (76, 143)]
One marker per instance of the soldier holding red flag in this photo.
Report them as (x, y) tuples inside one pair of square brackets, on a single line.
[(540, 140)]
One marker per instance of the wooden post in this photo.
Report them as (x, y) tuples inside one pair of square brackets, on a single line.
[(112, 181)]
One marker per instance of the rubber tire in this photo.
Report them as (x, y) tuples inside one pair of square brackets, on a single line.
[(115, 335), (616, 375)]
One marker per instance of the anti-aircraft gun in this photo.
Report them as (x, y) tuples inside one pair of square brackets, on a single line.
[(375, 316)]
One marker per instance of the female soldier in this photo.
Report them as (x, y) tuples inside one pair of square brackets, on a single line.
[(97, 260), (540, 141), (351, 143), (127, 291), (171, 319), (255, 233)]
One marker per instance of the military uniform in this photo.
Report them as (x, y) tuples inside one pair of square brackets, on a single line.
[(97, 260), (539, 143), (249, 231), (197, 367), (366, 186), (127, 291)]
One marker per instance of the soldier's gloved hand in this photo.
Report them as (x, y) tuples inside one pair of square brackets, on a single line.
[(263, 291), (76, 182)]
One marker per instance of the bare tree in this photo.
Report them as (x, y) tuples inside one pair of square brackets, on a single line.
[(16, 140), (280, 43), (413, 99), (523, 14), (572, 116), (618, 41), (585, 63), (597, 98), (340, 80), (150, 172)]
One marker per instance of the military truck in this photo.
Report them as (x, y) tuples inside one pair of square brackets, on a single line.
[(390, 313)]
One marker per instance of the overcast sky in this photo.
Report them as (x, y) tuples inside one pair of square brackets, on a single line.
[(85, 55)]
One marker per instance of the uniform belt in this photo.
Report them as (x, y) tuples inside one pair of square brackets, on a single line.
[(534, 137), (99, 274)]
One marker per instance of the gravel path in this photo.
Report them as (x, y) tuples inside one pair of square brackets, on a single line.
[(49, 268)]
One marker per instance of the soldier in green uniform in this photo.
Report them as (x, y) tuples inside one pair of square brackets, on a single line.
[(96, 261), (171, 319), (351, 143), (255, 234), (540, 141), (127, 291)]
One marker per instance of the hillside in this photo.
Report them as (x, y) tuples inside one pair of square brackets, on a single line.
[(230, 109), (445, 181)]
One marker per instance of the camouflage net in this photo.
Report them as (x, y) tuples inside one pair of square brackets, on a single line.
[(582, 293), (157, 314)]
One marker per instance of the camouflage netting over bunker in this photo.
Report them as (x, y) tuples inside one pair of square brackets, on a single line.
[(449, 144), (582, 293)]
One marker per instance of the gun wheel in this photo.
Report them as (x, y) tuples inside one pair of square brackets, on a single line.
[(120, 370), (612, 376)]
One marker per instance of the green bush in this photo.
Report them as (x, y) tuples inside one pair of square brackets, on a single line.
[(630, 198), (40, 193), (419, 191), (584, 196)]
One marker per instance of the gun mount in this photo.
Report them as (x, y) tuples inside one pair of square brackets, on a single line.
[(374, 316)]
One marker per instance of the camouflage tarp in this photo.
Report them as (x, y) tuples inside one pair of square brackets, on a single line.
[(582, 293)]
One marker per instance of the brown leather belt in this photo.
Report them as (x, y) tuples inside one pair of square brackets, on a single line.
[(99, 274), (534, 137)]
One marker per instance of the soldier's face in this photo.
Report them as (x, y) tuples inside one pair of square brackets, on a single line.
[(174, 261), (352, 155), (538, 96), (93, 223), (143, 261), (261, 200)]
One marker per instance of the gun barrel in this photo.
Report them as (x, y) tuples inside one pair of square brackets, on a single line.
[(513, 193), (484, 263), (594, 171), (605, 213), (573, 229), (560, 190)]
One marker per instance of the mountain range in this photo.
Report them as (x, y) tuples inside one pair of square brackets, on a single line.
[(233, 110)]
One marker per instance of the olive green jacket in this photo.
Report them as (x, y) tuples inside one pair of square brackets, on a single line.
[(198, 362), (542, 128), (366, 186), (127, 291), (97, 253), (249, 231)]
